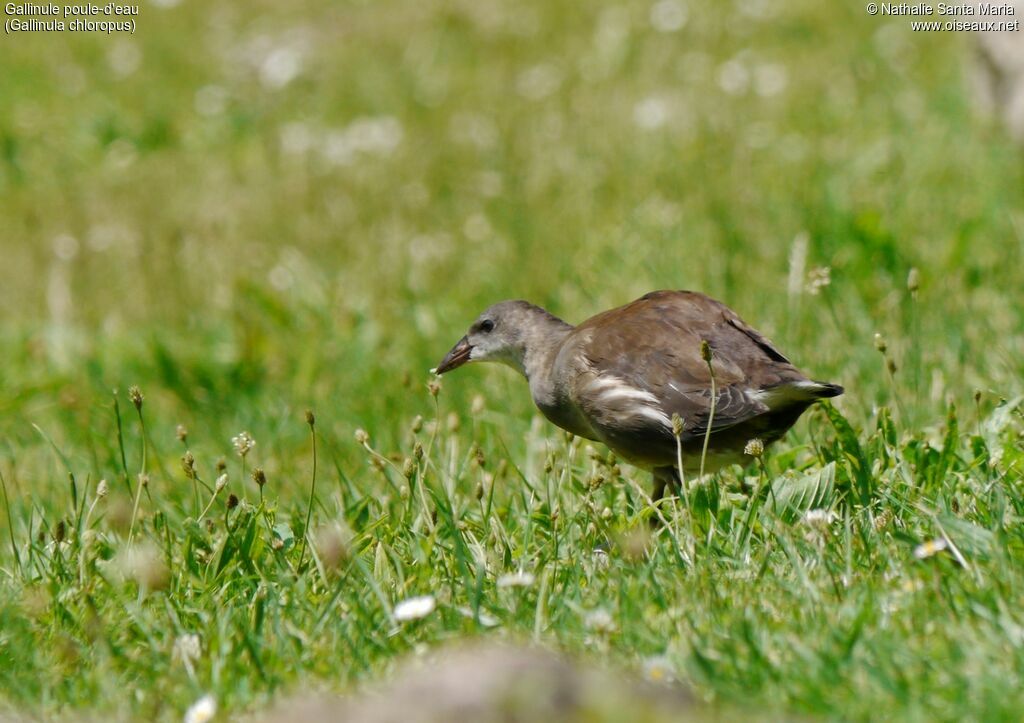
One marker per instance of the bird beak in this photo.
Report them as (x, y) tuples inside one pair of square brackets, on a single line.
[(454, 359)]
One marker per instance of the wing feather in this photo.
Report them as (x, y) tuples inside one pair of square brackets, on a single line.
[(640, 364)]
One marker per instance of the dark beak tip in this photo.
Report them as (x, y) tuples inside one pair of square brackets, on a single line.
[(455, 358)]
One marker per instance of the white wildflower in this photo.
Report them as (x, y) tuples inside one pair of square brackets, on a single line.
[(668, 16), (819, 519), (770, 79), (65, 247), (539, 81), (144, 564), (124, 58), (280, 67), (516, 579), (651, 113), (102, 489), (243, 443), (281, 277), (187, 648), (221, 482), (202, 710), (210, 100), (930, 548), (297, 138), (754, 448), (913, 280), (818, 279), (485, 618), (733, 77), (600, 620), (415, 608), (376, 134), (658, 670)]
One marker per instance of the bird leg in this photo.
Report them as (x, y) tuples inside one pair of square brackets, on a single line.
[(663, 478)]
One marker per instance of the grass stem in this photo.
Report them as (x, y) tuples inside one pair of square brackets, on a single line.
[(312, 491)]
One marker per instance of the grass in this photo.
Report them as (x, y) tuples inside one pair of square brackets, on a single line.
[(254, 209)]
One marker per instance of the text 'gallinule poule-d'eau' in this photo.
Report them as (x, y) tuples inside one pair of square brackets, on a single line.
[(621, 377)]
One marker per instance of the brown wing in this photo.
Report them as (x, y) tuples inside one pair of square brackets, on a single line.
[(641, 363)]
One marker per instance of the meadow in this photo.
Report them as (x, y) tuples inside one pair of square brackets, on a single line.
[(234, 243)]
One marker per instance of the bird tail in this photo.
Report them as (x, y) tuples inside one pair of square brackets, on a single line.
[(825, 390), (801, 393)]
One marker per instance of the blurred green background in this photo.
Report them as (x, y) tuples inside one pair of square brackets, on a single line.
[(251, 207)]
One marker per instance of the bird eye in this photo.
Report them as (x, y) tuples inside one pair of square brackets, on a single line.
[(486, 326)]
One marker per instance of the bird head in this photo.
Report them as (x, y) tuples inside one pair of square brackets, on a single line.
[(499, 334)]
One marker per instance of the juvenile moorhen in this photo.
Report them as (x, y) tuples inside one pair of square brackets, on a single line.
[(622, 376)]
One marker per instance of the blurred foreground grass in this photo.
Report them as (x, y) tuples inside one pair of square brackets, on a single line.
[(251, 209)]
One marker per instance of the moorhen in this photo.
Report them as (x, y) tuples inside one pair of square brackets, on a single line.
[(636, 376)]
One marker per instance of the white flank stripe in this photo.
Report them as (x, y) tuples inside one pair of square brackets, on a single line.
[(655, 414), (614, 388), (610, 388), (629, 393)]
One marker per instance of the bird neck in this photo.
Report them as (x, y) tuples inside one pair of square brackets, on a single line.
[(540, 347)]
